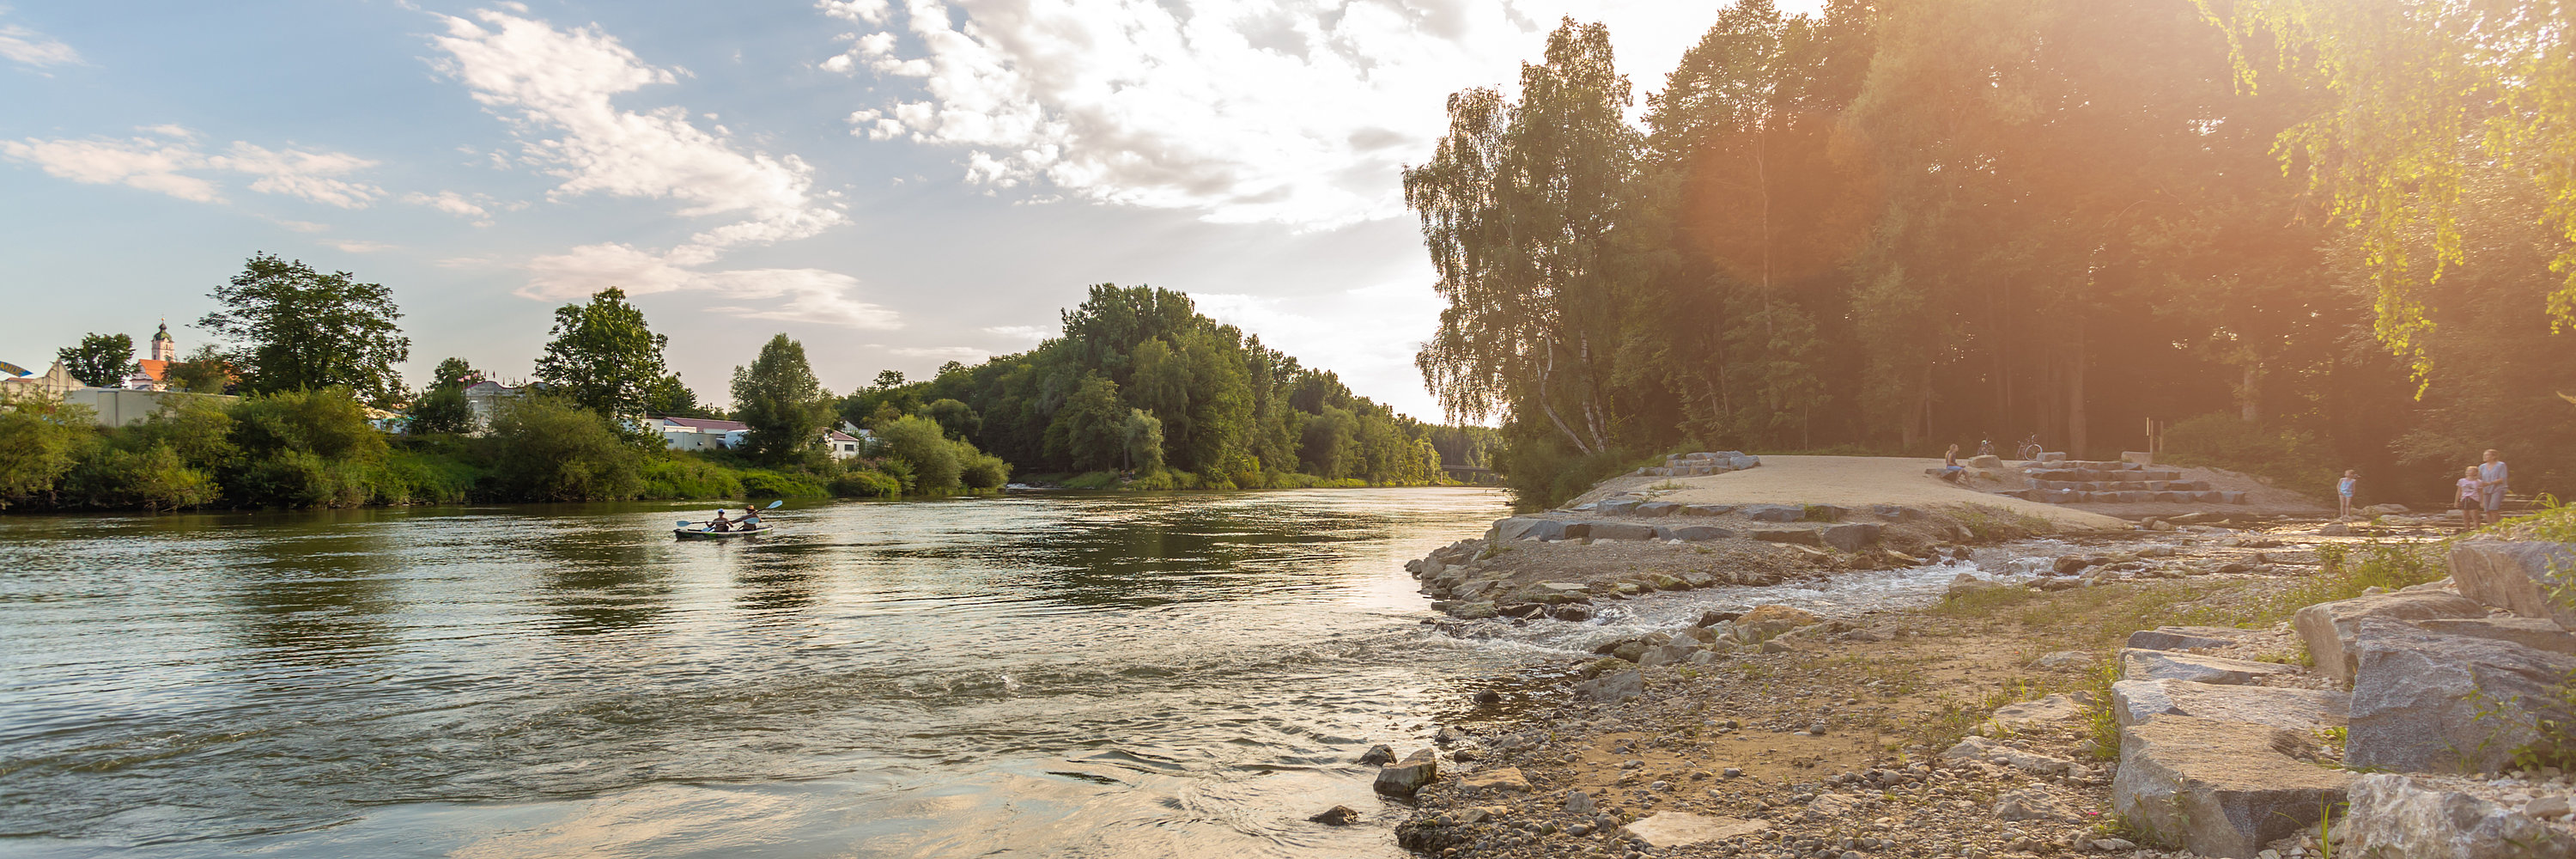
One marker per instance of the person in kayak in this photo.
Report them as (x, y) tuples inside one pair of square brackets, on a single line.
[(750, 518), (720, 523)]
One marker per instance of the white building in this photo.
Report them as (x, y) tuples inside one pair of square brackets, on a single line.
[(711, 434), (484, 399)]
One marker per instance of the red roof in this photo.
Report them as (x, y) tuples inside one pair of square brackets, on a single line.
[(158, 370)]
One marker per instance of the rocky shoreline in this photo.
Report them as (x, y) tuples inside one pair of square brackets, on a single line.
[(2039, 709)]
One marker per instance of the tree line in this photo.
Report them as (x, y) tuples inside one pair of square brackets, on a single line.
[(1141, 387), (2290, 239)]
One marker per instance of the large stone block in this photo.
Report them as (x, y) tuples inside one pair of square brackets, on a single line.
[(2220, 788), (1553, 529), (1517, 527), (2185, 637), (1850, 538), (1800, 536), (1657, 508), (2427, 702), (2140, 664), (2328, 627), (1706, 509), (1621, 531), (1772, 512), (1692, 533), (2515, 575), (2422, 817), (2136, 702), (2530, 632), (1617, 507), (1665, 830), (1403, 779), (1613, 687)]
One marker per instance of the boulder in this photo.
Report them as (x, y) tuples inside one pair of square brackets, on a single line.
[(2515, 575), (1850, 538), (1823, 512), (1800, 536), (2185, 637), (1830, 804), (1621, 531), (1668, 654), (1402, 779), (1982, 749), (2139, 664), (1986, 461), (2328, 627), (1665, 830), (2031, 803), (2429, 817), (1613, 687), (2221, 788), (2427, 702), (1705, 510), (1507, 779), (1575, 612), (1741, 462), (2054, 709), (1657, 508), (2385, 509), (1692, 533), (2530, 632), (1894, 513), (1772, 512), (1339, 815), (2137, 702), (1378, 755), (1617, 507), (1553, 529), (1767, 622), (1517, 527)]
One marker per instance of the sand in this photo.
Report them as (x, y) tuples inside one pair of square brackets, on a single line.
[(1849, 481)]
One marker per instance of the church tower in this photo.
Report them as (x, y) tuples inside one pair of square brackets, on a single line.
[(163, 348)]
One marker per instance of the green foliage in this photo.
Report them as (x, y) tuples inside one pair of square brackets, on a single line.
[(779, 398), (980, 470), (38, 443), (442, 410), (764, 483), (680, 476), (304, 330), (1541, 472), (547, 449), (1089, 431), (1142, 445), (2291, 457), (100, 361), (605, 358), (205, 371), (918, 443), (866, 483)]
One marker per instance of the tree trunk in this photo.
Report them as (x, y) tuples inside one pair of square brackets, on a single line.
[(2075, 436)]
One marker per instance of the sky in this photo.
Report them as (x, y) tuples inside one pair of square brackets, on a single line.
[(894, 183)]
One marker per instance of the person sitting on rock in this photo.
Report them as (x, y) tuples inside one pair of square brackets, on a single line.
[(1950, 467)]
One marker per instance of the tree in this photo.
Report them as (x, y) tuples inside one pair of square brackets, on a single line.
[(550, 449), (919, 443), (38, 440), (1090, 431), (956, 419), (454, 373), (603, 355), (206, 371), (1143, 446), (780, 400), (100, 361), (672, 397), (304, 330)]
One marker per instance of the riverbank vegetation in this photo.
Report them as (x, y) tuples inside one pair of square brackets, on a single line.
[(1141, 391), (1901, 226)]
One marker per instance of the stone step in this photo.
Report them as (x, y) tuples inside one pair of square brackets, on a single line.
[(2077, 496), (2123, 485), (2096, 474)]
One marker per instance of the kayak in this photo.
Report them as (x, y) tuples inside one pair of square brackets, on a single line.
[(704, 534)]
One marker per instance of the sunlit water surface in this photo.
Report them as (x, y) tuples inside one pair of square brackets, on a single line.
[(1113, 675)]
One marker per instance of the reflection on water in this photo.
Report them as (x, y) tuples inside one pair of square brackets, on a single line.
[(1114, 675)]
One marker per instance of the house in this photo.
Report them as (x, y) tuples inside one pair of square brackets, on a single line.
[(153, 374), (484, 399), (711, 434), (53, 384)]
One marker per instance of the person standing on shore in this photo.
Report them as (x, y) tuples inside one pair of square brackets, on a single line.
[(2343, 490), (2491, 477), (2471, 498)]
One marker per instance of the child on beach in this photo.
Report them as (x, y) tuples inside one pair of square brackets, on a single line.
[(2343, 490), (1950, 468), (2471, 498)]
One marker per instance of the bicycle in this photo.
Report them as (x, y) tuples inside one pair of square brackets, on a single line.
[(2029, 450)]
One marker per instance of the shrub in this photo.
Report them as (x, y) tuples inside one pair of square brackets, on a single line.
[(764, 483), (549, 450), (984, 471), (38, 442), (686, 476), (327, 423), (866, 483), (918, 442)]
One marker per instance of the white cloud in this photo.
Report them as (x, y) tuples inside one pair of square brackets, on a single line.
[(1291, 111), (557, 87), (1031, 333), (155, 164), (304, 226), (809, 295), (961, 354), (361, 246), (28, 47), (561, 82), (452, 203)]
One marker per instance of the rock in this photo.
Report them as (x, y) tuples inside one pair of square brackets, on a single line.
[(1402, 779), (2185, 637), (1339, 815), (1621, 531), (1772, 512), (1572, 612), (1767, 622), (1713, 617), (2385, 509), (1850, 538), (1614, 687), (1489, 696), (1379, 755), (1506, 779), (2220, 788), (1895, 513), (2031, 803), (2032, 714), (1480, 610), (2158, 525), (1800, 536), (2328, 627), (1692, 533), (1823, 512), (2067, 565), (2136, 702), (2138, 664), (1982, 749), (1618, 507), (1705, 510), (1665, 830), (1965, 584), (1668, 654), (1658, 508), (1578, 802), (1517, 527), (2549, 806), (1986, 461), (2515, 575), (1831, 804), (1554, 529), (2114, 845), (2420, 817), (2417, 697), (2063, 660), (2530, 632)]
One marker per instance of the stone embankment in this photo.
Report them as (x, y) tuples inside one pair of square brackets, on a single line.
[(2429, 727)]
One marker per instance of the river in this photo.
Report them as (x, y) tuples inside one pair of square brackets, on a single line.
[(1041, 674)]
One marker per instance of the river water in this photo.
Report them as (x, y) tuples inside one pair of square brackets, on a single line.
[(1109, 675)]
